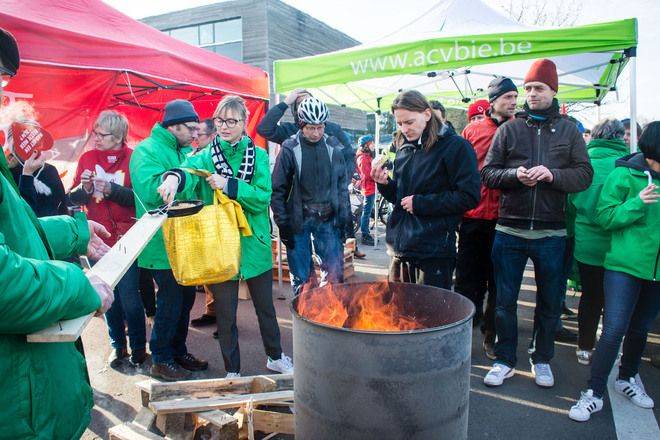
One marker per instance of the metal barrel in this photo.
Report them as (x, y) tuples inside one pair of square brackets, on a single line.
[(352, 384)]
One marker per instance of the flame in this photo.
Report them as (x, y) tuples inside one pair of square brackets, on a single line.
[(372, 307)]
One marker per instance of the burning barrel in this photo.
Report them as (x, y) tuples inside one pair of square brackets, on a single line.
[(381, 361)]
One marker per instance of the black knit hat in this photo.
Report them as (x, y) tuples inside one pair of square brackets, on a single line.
[(8, 53), (499, 86), (179, 111)]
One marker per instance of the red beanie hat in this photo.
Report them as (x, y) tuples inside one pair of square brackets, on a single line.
[(478, 108), (545, 71)]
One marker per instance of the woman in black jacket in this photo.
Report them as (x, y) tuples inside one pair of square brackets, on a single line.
[(434, 181)]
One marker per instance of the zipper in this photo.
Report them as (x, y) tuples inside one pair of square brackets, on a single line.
[(538, 136)]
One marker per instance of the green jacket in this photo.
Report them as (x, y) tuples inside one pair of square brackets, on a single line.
[(634, 225), (591, 241), (254, 197), (45, 394), (151, 158)]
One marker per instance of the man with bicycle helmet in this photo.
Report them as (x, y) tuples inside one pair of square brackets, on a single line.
[(310, 196)]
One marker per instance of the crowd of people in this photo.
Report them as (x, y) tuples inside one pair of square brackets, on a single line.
[(513, 186)]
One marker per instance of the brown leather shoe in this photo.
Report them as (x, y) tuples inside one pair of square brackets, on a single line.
[(191, 363), (169, 372), (359, 255)]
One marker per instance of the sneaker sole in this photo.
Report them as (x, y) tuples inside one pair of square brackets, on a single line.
[(509, 375), (575, 419), (583, 362), (621, 393)]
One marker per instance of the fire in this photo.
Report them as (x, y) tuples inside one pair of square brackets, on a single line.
[(367, 307)]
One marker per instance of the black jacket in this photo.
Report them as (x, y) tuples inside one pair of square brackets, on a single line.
[(555, 143), (43, 205), (272, 129), (445, 183), (286, 200)]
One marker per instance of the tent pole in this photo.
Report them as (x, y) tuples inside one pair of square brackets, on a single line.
[(378, 152), (279, 241), (633, 102)]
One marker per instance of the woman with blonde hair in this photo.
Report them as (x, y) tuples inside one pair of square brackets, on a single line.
[(241, 171)]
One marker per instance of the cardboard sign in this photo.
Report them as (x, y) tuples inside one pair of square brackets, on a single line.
[(22, 138)]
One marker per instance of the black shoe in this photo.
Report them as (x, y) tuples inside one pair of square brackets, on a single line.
[(368, 240), (117, 357), (138, 357), (359, 255), (170, 372), (215, 334), (568, 314), (203, 320), (565, 335), (191, 363)]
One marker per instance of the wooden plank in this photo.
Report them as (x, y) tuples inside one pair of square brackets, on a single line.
[(269, 421), (212, 387), (145, 418), (262, 384), (217, 418), (111, 269), (196, 405), (128, 431)]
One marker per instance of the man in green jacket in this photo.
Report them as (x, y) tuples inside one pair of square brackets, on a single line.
[(164, 150), (45, 394)]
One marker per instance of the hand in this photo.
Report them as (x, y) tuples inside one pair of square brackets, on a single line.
[(540, 174), (291, 98), (217, 181), (105, 293), (35, 161), (649, 194), (97, 248), (102, 186), (521, 174), (168, 188), (86, 179), (286, 237), (407, 204)]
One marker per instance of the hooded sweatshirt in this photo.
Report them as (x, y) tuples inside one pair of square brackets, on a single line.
[(634, 225)]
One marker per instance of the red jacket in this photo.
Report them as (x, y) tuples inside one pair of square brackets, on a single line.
[(364, 168), (117, 218), (480, 134)]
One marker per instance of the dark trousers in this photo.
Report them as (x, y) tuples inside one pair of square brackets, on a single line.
[(436, 272), (474, 268), (510, 255), (591, 304), (127, 311), (226, 304), (173, 305), (631, 305), (147, 291)]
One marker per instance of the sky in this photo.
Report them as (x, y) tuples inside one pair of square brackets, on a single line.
[(368, 20)]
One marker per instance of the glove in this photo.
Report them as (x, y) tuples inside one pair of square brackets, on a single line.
[(286, 235)]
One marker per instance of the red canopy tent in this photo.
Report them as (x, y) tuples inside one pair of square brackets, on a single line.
[(79, 57)]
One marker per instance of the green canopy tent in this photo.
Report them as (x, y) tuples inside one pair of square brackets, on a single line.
[(451, 62)]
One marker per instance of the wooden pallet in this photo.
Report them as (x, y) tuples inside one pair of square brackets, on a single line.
[(195, 409)]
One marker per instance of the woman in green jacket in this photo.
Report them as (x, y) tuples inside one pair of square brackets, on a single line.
[(592, 241), (628, 208), (242, 172)]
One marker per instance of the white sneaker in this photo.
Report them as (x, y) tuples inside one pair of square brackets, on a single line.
[(633, 390), (587, 405), (282, 365), (497, 374), (232, 375), (584, 356), (543, 375)]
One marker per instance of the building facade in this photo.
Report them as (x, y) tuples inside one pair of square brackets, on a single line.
[(258, 32)]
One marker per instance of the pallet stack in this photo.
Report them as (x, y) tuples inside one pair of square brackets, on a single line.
[(197, 409), (349, 268)]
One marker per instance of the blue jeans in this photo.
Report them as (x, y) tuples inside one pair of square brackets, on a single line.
[(127, 307), (631, 305), (510, 256), (366, 214), (173, 305), (328, 247)]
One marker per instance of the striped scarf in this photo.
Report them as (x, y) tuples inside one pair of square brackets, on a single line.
[(222, 167)]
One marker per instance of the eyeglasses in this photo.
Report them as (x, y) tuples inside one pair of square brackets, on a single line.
[(230, 123), (192, 129), (100, 135)]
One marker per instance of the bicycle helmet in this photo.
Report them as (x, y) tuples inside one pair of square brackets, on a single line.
[(312, 111), (364, 140)]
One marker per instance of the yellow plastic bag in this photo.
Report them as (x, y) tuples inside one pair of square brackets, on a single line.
[(205, 248)]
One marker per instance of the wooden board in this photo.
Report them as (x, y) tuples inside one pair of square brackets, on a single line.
[(111, 269), (270, 421), (128, 431), (197, 405)]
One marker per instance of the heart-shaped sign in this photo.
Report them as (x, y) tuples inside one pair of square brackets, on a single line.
[(28, 137)]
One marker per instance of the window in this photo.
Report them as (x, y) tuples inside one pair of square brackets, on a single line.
[(222, 37)]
